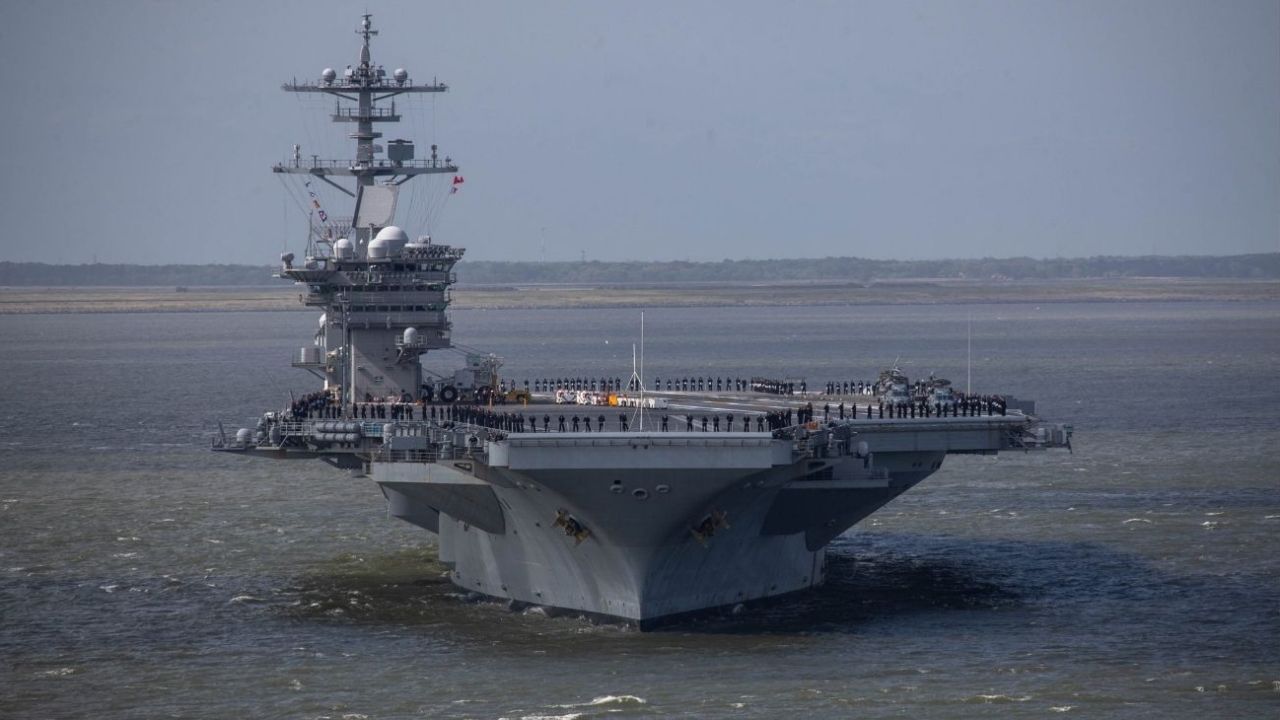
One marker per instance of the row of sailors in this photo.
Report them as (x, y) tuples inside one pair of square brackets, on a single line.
[(850, 387), (711, 383), (321, 407), (776, 387), (518, 422), (374, 410), (772, 421), (548, 385), (316, 404), (962, 407), (682, 384), (920, 388)]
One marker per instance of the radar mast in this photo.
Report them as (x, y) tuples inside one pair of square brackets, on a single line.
[(364, 95)]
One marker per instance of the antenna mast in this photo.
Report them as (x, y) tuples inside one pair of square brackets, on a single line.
[(637, 375), (641, 376), (367, 85)]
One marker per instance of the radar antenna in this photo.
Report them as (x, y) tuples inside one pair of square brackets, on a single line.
[(368, 87)]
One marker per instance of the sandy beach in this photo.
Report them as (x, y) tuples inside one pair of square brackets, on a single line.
[(925, 291)]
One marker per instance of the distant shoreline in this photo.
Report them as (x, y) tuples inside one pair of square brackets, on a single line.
[(31, 300)]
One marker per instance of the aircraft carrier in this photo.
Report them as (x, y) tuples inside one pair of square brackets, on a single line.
[(625, 499)]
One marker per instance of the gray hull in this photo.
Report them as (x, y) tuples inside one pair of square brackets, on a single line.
[(666, 524)]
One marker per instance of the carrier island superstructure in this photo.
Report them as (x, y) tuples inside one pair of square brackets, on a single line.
[(632, 519)]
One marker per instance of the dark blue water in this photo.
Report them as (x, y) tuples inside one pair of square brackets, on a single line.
[(141, 576)]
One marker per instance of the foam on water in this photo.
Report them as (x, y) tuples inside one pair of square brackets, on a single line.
[(610, 701), (995, 698)]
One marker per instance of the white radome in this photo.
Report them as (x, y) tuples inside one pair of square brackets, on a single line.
[(393, 237)]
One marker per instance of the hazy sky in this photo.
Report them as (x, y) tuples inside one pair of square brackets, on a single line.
[(145, 131)]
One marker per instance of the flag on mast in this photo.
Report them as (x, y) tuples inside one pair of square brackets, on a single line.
[(315, 202)]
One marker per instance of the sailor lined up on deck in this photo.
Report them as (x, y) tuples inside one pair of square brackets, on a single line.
[(321, 405)]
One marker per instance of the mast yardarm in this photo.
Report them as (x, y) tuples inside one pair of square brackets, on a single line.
[(365, 88)]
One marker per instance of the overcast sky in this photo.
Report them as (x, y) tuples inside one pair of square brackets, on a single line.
[(145, 131)]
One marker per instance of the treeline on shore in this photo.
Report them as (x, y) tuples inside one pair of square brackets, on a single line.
[(1263, 266)]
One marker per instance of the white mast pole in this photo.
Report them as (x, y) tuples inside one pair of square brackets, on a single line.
[(632, 382), (641, 375), (968, 383)]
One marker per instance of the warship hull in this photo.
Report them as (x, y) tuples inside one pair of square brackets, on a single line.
[(649, 527)]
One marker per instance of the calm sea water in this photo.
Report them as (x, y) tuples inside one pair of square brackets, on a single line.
[(142, 576)]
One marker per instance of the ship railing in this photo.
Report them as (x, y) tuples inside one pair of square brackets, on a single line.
[(357, 113), (435, 453), (291, 428), (367, 82), (389, 455), (435, 251), (307, 427), (298, 428), (368, 429), (474, 429), (325, 164), (375, 277), (436, 293)]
